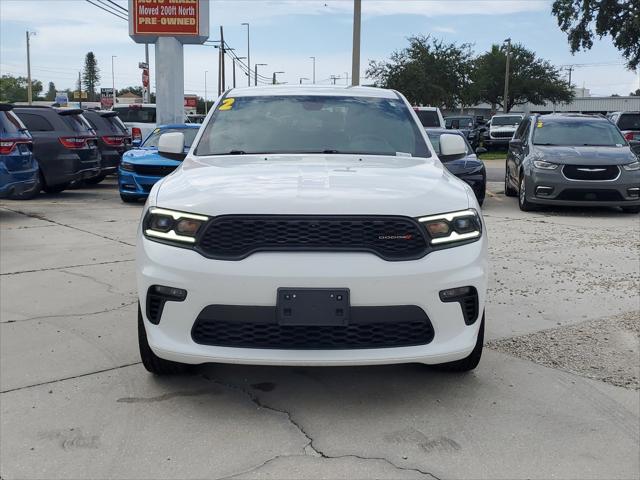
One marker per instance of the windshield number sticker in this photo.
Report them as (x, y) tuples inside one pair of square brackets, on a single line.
[(539, 125), (227, 104)]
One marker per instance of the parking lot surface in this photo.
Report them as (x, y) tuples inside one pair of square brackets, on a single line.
[(77, 403)]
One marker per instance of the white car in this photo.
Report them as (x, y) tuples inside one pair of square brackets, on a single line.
[(311, 225), (502, 128), (139, 118), (430, 117)]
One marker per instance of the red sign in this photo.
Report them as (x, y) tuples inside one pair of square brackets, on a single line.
[(165, 17), (145, 78), (190, 101)]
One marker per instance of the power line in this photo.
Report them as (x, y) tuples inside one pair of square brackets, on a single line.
[(119, 6), (101, 7)]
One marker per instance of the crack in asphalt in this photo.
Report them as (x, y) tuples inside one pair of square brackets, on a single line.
[(70, 378), (87, 314), (46, 269), (93, 279), (43, 218), (309, 449)]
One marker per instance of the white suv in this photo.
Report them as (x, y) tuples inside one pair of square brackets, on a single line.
[(311, 226)]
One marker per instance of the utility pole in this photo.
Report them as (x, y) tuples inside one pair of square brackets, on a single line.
[(255, 76), (571, 67), (222, 73), (29, 87), (505, 99), (346, 75), (334, 78), (314, 69), (205, 91), (248, 57), (113, 82), (355, 59), (147, 94), (80, 88)]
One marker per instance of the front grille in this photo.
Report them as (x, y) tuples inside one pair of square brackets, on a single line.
[(257, 327), (590, 195), (591, 172), (155, 170), (501, 134), (236, 236)]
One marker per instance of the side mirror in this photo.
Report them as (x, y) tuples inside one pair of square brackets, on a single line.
[(452, 145), (171, 145), (515, 143), (481, 150)]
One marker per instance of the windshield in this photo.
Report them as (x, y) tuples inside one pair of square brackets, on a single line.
[(577, 133), (137, 114), (435, 141), (189, 136), (106, 124), (629, 121), (502, 121), (459, 122), (312, 124), (428, 118)]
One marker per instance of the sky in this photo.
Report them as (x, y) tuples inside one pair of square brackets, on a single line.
[(285, 33)]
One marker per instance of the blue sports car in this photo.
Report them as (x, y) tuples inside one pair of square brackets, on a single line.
[(142, 167)]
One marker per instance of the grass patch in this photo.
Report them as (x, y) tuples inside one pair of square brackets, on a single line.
[(494, 155)]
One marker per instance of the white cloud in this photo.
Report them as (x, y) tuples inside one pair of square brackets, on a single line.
[(444, 29)]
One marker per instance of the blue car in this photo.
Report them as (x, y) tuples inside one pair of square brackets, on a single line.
[(142, 167), (19, 172)]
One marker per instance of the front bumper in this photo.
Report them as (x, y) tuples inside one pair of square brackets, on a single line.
[(551, 187), (131, 183), (255, 280)]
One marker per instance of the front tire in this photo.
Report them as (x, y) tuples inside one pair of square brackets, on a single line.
[(153, 363), (468, 363), (509, 191), (524, 204)]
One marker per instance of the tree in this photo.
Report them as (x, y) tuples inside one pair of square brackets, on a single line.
[(531, 79), (428, 72), (635, 94), (51, 92), (14, 89), (582, 19), (91, 76), (137, 91)]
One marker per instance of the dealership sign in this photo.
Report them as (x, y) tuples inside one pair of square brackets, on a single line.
[(106, 97), (186, 20)]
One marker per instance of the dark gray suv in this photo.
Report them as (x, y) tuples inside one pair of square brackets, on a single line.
[(572, 159)]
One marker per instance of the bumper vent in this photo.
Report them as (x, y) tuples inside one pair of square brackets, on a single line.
[(591, 172), (590, 195), (155, 305), (153, 170), (257, 327), (237, 236), (468, 300), (501, 134)]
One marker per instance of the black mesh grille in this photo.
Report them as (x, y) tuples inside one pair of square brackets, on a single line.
[(469, 306), (408, 326), (154, 170), (155, 304), (502, 134), (235, 237), (591, 172), (590, 195)]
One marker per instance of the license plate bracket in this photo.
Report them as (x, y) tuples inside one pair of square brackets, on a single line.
[(313, 306)]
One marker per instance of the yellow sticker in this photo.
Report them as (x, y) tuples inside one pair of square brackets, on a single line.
[(539, 125), (156, 130), (227, 104)]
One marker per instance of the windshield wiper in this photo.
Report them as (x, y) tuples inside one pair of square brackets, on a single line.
[(236, 152)]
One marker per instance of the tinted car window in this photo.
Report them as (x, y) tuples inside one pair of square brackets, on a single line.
[(313, 124), (137, 114), (576, 133), (9, 123), (106, 124), (36, 123), (504, 121), (459, 122), (77, 123), (629, 121), (189, 136), (428, 118)]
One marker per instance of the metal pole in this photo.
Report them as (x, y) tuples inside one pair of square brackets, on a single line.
[(219, 71), (113, 82), (355, 60), (255, 75), (506, 78), (80, 88), (222, 59), (248, 58), (147, 96), (205, 91), (234, 72), (29, 88), (314, 69), (346, 75)]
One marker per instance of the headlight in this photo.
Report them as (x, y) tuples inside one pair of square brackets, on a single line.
[(172, 226), (545, 165), (461, 227), (631, 166), (127, 166)]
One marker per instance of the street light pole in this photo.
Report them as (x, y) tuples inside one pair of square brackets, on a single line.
[(113, 82), (506, 78), (274, 77), (248, 57), (303, 78), (205, 91), (314, 69), (355, 59), (256, 71), (29, 86), (234, 69)]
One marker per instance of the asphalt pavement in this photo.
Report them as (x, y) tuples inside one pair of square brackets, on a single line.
[(76, 403)]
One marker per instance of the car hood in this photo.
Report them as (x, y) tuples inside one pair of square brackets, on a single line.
[(585, 155), (147, 156), (312, 184)]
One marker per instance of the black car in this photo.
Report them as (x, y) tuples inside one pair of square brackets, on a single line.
[(64, 144), (113, 140), (572, 159), (466, 167), (469, 125)]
